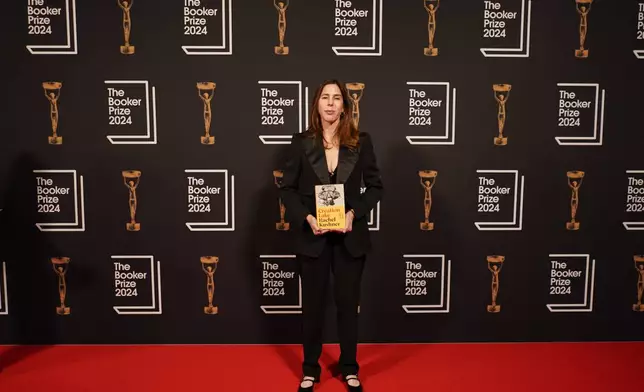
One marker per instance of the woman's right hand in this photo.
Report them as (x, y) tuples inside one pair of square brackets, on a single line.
[(314, 225)]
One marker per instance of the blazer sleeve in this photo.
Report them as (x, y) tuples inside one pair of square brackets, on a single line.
[(290, 182), (372, 180)]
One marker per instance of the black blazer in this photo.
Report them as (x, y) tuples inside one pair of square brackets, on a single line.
[(306, 167)]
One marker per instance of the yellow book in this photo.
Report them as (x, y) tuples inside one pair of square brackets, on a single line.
[(329, 204)]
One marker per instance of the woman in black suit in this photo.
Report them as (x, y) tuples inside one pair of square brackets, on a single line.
[(331, 151)]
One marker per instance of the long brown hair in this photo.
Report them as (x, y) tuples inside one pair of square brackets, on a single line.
[(346, 131)]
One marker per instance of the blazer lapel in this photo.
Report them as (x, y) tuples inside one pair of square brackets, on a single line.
[(347, 160), (317, 159)]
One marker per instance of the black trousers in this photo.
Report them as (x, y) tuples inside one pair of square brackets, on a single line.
[(347, 274)]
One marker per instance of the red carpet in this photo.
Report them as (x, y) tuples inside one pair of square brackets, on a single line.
[(385, 368)]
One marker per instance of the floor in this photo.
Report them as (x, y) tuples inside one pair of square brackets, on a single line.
[(587, 367)]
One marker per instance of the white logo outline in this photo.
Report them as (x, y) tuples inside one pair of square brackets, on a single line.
[(374, 216), (376, 37), (35, 49), (156, 294), (587, 140), (588, 297), (147, 138), (79, 206), (228, 200), (631, 225), (419, 140), (303, 122), (446, 280), (226, 37), (509, 52), (517, 206), (283, 309), (4, 301)]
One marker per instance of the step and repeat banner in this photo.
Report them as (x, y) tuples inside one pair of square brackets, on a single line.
[(143, 142)]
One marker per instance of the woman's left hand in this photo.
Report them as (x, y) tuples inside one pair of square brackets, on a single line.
[(349, 222), (348, 226)]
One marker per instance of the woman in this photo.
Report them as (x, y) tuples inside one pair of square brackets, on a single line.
[(331, 151)]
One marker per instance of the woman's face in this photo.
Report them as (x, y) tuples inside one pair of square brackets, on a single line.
[(330, 104)]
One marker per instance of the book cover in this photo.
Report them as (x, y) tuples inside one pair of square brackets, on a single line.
[(329, 203)]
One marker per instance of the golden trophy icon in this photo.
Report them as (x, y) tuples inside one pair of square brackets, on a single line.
[(52, 92), (131, 179), (206, 91), (126, 5), (209, 266), (501, 94), (639, 267), (427, 181), (583, 8), (355, 93), (278, 175), (574, 182), (494, 264), (281, 7), (431, 6), (61, 265)]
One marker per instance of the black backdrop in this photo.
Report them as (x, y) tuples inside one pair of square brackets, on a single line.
[(603, 293)]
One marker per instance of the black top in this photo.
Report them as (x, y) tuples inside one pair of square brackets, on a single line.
[(333, 176)]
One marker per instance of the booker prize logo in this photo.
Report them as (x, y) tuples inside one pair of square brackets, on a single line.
[(639, 267), (639, 31), (207, 27), (574, 183), (634, 210), (131, 178), (583, 9), (572, 283), (126, 7), (278, 176), (209, 266), (4, 302), (51, 25), (129, 103), (580, 111), (506, 22), (427, 283), (52, 93), (427, 181), (432, 106), (501, 95), (283, 110), (281, 285), (358, 27), (137, 285), (494, 264), (500, 200), (431, 6), (61, 266), (373, 221), (281, 6), (60, 200), (210, 196), (206, 91)]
